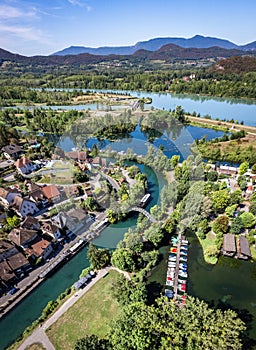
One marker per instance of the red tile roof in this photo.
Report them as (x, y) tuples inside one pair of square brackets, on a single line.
[(51, 191), (22, 162)]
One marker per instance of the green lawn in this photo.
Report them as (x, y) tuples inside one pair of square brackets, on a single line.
[(91, 314), (209, 241)]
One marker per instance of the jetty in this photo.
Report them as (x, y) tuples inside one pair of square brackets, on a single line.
[(177, 269)]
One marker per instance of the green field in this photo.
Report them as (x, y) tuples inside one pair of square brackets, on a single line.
[(91, 314)]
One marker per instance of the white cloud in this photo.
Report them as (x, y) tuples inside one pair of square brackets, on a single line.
[(81, 4), (11, 12), (22, 32)]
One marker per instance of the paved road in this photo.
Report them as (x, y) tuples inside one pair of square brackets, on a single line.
[(39, 335)]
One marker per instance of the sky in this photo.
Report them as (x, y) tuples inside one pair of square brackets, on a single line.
[(42, 27)]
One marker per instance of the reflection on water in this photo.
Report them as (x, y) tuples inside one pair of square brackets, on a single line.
[(230, 281)]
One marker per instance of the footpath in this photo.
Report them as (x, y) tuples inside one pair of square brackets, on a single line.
[(39, 335)]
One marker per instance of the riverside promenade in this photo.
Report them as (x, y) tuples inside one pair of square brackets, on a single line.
[(39, 335)]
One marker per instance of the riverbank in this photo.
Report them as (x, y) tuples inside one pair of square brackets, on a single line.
[(221, 125)]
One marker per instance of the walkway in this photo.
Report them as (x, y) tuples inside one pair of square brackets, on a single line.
[(39, 335), (144, 212)]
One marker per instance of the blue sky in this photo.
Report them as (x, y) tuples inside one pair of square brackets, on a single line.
[(41, 27)]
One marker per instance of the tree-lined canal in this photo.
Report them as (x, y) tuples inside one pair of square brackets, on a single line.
[(230, 281)]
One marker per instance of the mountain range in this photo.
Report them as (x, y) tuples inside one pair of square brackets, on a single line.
[(197, 41), (167, 53)]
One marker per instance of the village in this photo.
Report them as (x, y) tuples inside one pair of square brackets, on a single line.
[(50, 208)]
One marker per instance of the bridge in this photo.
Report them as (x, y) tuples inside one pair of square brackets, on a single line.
[(144, 212)]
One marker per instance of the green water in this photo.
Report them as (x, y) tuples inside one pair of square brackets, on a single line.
[(14, 323), (231, 282)]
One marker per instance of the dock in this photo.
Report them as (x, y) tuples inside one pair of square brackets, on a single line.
[(176, 276)]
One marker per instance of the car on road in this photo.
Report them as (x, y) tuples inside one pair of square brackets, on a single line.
[(13, 290)]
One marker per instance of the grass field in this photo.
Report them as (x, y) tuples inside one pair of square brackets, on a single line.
[(91, 314)]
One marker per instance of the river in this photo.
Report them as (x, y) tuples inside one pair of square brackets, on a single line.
[(217, 107), (14, 323), (230, 280)]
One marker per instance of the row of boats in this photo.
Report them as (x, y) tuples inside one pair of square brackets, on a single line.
[(176, 279)]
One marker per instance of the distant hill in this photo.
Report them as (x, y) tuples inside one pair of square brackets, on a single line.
[(249, 47), (236, 65), (170, 52), (198, 41)]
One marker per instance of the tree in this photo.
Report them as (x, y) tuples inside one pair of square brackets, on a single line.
[(90, 342), (154, 234), (90, 203), (203, 228), (174, 161), (123, 259), (221, 224), (12, 222), (236, 226), (254, 168), (243, 168), (126, 291), (98, 257), (230, 210), (236, 197), (212, 176), (248, 219), (166, 326), (220, 200), (252, 208)]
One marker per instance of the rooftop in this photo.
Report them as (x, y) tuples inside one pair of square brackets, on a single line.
[(51, 191)]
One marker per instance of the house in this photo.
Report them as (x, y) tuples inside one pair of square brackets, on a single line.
[(8, 277), (77, 156), (23, 237), (12, 151), (52, 193), (50, 229), (30, 223), (60, 220), (24, 206), (37, 196), (228, 170), (229, 245), (24, 165), (7, 196), (243, 248), (19, 264), (7, 249), (41, 249), (71, 191)]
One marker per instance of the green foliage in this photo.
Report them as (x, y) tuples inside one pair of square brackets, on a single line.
[(212, 176), (252, 208), (230, 210), (98, 257), (220, 225), (90, 342), (126, 291), (253, 168), (236, 225), (13, 222), (248, 219), (124, 259), (236, 197), (154, 234), (166, 326), (174, 161), (220, 200), (243, 168)]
